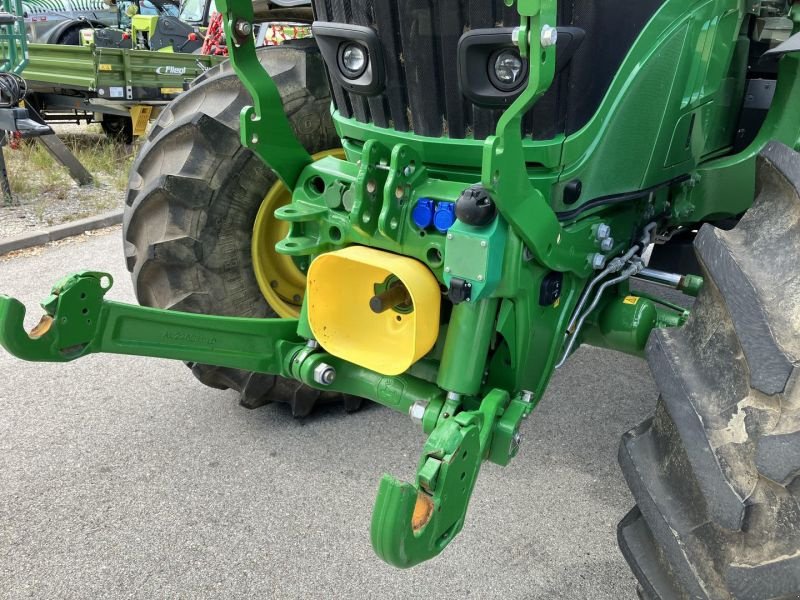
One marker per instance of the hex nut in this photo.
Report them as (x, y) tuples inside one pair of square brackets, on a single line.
[(598, 261), (417, 411), (324, 374), (603, 231), (243, 28), (549, 36), (607, 244)]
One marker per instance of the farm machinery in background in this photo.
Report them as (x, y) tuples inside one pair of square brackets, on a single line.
[(108, 74)]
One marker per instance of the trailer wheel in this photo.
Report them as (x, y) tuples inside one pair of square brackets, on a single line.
[(716, 471), (71, 37), (118, 128), (192, 202)]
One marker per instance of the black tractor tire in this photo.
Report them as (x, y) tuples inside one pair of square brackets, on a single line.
[(118, 128), (192, 199), (716, 471)]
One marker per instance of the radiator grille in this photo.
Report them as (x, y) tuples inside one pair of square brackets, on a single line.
[(420, 38)]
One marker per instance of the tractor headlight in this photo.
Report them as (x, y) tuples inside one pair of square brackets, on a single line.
[(353, 59), (507, 69), (353, 55), (491, 71)]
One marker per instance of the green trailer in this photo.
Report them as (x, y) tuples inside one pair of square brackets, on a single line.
[(122, 89)]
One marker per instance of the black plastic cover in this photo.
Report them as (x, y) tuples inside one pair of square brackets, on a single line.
[(331, 37)]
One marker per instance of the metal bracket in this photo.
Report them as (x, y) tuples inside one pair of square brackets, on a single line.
[(414, 523), (265, 128), (505, 173)]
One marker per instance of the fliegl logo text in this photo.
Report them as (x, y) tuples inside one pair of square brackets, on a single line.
[(170, 70)]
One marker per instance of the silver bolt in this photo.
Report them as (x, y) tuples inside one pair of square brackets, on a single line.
[(480, 277), (603, 231), (447, 269), (598, 261), (449, 236), (607, 245), (549, 36), (526, 396), (408, 171), (324, 374), (515, 36), (484, 244), (453, 396), (417, 411), (516, 441), (243, 28), (313, 344)]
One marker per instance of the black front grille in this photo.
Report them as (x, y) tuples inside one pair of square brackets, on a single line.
[(420, 38)]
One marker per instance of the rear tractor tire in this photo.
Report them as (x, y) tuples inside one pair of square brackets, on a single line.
[(716, 471), (192, 204)]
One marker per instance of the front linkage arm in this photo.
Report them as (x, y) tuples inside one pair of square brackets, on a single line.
[(411, 523), (78, 322)]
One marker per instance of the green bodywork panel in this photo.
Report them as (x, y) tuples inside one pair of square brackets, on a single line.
[(110, 72), (475, 255), (656, 156)]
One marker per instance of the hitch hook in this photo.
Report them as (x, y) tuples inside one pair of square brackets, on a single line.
[(414, 523), (73, 312)]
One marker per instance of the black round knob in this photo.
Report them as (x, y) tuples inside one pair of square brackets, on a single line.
[(475, 207)]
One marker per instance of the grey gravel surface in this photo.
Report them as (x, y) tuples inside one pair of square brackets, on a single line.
[(122, 477)]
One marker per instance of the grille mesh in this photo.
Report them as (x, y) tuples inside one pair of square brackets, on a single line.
[(419, 39)]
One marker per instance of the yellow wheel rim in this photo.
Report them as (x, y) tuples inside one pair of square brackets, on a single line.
[(281, 282)]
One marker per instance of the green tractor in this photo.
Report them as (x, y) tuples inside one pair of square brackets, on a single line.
[(498, 183)]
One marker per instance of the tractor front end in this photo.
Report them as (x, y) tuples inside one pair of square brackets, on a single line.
[(505, 171)]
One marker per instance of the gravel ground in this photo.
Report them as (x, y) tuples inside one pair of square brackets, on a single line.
[(122, 477), (45, 195)]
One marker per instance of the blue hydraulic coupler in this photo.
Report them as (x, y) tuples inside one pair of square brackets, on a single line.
[(445, 216), (422, 215)]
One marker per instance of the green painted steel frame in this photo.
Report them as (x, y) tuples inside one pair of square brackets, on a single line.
[(686, 69), (265, 128)]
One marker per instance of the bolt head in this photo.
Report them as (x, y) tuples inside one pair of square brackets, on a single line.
[(480, 277), (598, 261), (607, 244), (515, 36), (603, 231), (526, 396), (417, 411), (243, 28), (324, 374), (549, 36)]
